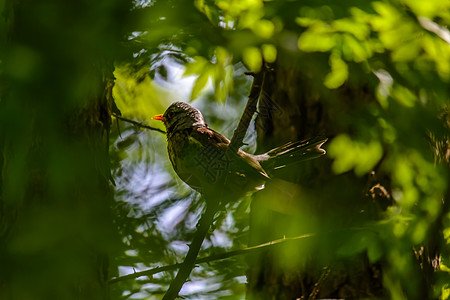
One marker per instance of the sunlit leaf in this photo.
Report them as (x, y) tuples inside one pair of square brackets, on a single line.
[(264, 28), (360, 30), (269, 53), (200, 84), (252, 58), (428, 8), (350, 155), (196, 67), (339, 72), (135, 94), (403, 95), (311, 41), (355, 50), (302, 21)]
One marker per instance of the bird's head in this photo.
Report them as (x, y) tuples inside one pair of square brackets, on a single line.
[(180, 115)]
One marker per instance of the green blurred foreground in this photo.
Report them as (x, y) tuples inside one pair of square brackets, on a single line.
[(85, 199)]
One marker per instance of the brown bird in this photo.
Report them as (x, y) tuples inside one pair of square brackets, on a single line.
[(200, 158)]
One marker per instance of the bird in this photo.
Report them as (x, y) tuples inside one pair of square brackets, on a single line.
[(200, 156)]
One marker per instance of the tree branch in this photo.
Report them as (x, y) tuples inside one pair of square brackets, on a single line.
[(138, 124), (188, 264), (212, 258), (249, 111)]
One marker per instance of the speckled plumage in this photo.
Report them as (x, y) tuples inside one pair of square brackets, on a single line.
[(199, 157)]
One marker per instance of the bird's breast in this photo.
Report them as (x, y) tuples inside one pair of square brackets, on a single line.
[(204, 164), (185, 155)]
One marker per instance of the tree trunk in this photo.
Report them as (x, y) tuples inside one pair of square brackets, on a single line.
[(308, 199)]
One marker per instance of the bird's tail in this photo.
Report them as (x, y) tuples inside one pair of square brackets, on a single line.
[(291, 153)]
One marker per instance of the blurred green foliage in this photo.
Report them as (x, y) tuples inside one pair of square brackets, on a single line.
[(398, 50), (56, 225)]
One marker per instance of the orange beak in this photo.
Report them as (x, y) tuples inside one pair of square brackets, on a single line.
[(158, 117)]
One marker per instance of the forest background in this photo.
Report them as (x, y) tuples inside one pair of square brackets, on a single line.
[(87, 198)]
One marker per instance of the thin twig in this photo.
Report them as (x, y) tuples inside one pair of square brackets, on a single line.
[(138, 124), (212, 258), (313, 295)]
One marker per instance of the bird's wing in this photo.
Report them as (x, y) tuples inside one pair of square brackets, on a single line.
[(206, 135), (246, 161)]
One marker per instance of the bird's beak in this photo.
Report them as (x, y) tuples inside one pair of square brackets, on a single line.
[(158, 117)]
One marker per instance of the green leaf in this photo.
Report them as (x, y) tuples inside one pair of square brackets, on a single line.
[(264, 28), (196, 67), (403, 95), (369, 156), (355, 50), (360, 30), (339, 72), (163, 72), (374, 250), (200, 84), (349, 154), (252, 58), (311, 41), (269, 53)]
